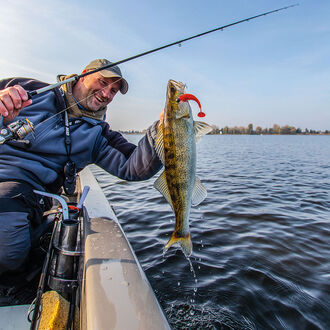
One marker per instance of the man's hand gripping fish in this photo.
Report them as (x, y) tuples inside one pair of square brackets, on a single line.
[(176, 147)]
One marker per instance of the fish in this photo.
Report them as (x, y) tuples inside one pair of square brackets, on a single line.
[(175, 144)]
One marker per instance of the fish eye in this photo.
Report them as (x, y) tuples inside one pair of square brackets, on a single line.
[(172, 89)]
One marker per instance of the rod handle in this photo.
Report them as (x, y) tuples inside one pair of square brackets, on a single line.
[(30, 94)]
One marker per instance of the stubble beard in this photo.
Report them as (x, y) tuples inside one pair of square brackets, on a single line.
[(92, 104)]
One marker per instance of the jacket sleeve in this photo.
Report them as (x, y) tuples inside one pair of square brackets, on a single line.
[(27, 83), (126, 160)]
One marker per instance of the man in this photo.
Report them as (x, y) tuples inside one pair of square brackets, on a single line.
[(69, 131)]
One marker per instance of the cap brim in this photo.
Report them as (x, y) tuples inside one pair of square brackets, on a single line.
[(111, 74)]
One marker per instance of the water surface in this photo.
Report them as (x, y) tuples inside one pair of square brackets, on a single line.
[(261, 237)]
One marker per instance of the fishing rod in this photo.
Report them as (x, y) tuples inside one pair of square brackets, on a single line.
[(18, 130), (179, 42)]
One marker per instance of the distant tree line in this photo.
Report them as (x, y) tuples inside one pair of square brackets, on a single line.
[(276, 129)]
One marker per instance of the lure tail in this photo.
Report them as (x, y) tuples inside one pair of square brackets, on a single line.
[(187, 97)]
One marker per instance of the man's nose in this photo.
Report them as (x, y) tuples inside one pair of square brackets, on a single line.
[(106, 92)]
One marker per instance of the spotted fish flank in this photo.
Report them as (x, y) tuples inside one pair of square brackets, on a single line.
[(176, 147)]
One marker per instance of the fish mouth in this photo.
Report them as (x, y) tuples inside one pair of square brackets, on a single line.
[(173, 106), (175, 87), (174, 90)]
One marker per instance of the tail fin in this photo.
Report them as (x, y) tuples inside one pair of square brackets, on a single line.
[(184, 242)]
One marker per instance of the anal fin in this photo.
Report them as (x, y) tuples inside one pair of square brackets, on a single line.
[(199, 192)]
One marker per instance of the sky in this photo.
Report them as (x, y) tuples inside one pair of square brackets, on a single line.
[(271, 70)]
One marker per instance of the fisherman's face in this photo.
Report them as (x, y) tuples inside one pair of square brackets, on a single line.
[(94, 91)]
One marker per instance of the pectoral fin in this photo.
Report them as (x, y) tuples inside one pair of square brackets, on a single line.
[(199, 192), (161, 185), (201, 129), (159, 144)]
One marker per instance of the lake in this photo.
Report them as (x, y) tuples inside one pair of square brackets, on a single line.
[(261, 256)]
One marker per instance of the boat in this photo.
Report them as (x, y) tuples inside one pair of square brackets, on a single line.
[(109, 289)]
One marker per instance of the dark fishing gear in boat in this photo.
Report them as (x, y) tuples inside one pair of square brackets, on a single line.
[(60, 269)]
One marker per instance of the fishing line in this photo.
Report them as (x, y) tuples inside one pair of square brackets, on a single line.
[(69, 107), (179, 42)]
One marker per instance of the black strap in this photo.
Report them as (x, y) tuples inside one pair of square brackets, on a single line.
[(70, 170), (67, 135)]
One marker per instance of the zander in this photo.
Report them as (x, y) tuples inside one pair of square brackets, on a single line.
[(176, 147)]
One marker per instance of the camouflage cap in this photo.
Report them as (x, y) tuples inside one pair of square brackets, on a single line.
[(111, 72)]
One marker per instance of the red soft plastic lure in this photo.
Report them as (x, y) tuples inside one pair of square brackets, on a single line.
[(187, 97)]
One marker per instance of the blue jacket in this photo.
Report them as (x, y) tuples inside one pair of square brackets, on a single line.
[(92, 141)]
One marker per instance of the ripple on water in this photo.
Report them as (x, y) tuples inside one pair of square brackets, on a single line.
[(196, 316), (261, 238)]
